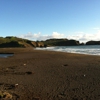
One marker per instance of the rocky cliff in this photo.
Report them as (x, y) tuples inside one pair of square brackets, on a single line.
[(19, 42), (61, 42), (93, 43)]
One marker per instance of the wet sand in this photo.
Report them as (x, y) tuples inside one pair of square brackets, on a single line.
[(46, 75)]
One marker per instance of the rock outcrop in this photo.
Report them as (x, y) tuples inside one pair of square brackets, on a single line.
[(34, 44), (93, 43), (61, 42), (19, 42), (73, 42), (40, 44)]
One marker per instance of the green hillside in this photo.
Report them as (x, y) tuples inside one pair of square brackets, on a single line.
[(11, 41)]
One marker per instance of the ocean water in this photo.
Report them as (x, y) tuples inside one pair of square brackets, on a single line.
[(5, 55), (83, 49)]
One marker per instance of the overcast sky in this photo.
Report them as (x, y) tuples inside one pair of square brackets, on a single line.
[(44, 19)]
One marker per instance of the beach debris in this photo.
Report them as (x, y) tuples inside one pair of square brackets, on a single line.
[(65, 65), (75, 98), (16, 85), (6, 86), (84, 75), (36, 98), (62, 95), (24, 64), (1, 83), (5, 95), (9, 86), (7, 69), (15, 96), (29, 72)]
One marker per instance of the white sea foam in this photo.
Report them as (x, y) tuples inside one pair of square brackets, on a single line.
[(84, 49)]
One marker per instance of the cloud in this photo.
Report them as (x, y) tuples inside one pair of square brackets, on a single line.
[(39, 36), (30, 36), (57, 35), (79, 36), (84, 37), (78, 32), (96, 28)]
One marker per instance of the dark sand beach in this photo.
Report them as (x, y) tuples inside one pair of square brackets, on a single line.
[(46, 75)]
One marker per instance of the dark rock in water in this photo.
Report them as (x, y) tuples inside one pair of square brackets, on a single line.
[(93, 43), (82, 44)]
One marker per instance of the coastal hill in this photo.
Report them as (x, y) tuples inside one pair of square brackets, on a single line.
[(18, 42), (11, 41), (61, 42), (93, 43)]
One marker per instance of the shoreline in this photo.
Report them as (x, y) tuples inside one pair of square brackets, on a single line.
[(87, 50), (18, 50), (49, 75), (69, 52)]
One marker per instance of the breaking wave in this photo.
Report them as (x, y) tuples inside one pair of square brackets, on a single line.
[(84, 49)]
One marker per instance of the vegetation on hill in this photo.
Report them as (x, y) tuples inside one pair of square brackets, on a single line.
[(11, 41), (61, 42)]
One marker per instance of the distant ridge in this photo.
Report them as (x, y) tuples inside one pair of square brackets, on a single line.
[(11, 41)]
